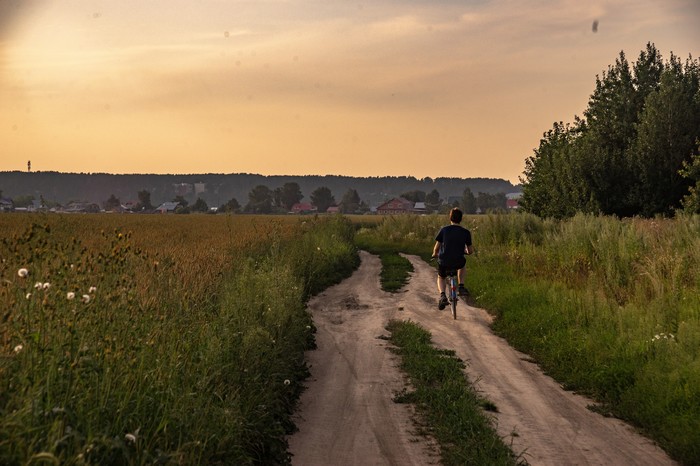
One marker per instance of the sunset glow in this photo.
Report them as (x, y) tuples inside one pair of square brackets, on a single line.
[(415, 88)]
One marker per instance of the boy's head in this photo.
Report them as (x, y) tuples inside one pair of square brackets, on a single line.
[(455, 215)]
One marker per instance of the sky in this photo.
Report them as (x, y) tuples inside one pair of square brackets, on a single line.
[(424, 88)]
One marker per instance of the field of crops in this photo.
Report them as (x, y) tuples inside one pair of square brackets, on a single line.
[(608, 307), (128, 339)]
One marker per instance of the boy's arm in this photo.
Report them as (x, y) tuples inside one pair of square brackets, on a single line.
[(436, 248), (468, 249)]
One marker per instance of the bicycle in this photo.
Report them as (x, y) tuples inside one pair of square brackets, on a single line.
[(452, 297), (451, 291)]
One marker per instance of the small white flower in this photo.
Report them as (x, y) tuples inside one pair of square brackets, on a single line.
[(29, 295), (38, 285), (86, 298), (318, 248), (92, 289), (18, 348), (130, 438), (46, 285), (22, 272), (287, 382), (70, 295)]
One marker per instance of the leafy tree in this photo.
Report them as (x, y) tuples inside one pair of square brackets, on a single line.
[(288, 195), (691, 171), (231, 206), (489, 202), (144, 200), (350, 202), (181, 201), (666, 136), (432, 200), (200, 205), (468, 202), (260, 200), (112, 203), (414, 196), (322, 198), (624, 157)]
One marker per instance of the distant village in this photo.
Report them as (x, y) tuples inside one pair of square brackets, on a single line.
[(410, 203), (243, 193)]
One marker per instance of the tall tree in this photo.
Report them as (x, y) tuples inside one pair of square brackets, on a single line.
[(112, 203), (432, 200), (691, 171), (322, 198), (350, 202), (144, 200), (468, 202), (259, 200), (289, 194), (666, 136), (200, 205), (231, 206)]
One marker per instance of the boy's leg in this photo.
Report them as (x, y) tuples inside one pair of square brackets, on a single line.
[(441, 284), (460, 275)]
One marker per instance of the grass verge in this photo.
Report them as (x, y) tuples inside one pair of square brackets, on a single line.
[(454, 413)]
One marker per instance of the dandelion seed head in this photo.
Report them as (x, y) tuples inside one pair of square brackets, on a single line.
[(287, 382), (70, 296), (18, 348), (23, 273), (38, 285), (92, 289), (29, 295), (130, 438), (46, 285), (86, 298)]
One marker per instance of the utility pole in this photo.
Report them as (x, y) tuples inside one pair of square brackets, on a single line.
[(29, 166)]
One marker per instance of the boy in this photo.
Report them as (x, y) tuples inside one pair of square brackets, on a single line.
[(451, 244)]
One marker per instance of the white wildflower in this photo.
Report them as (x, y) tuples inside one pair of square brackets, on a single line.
[(22, 273), (38, 285), (29, 295), (287, 382), (86, 298), (130, 438), (70, 296), (92, 289), (46, 285), (18, 348)]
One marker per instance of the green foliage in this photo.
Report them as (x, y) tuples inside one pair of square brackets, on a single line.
[(189, 353), (288, 195), (443, 395), (608, 307), (200, 205), (259, 200), (322, 198), (623, 158), (350, 203), (691, 171)]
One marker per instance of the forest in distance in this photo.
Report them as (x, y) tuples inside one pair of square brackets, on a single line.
[(219, 189)]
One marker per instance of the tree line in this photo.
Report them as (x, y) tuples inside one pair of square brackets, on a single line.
[(634, 152)]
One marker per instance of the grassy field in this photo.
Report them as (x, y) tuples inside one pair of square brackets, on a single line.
[(608, 307), (130, 339)]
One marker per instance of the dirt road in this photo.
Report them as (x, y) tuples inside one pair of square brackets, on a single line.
[(347, 416)]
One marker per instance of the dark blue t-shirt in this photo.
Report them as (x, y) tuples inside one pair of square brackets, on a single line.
[(453, 239)]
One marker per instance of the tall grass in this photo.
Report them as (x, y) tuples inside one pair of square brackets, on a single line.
[(609, 307), (157, 340)]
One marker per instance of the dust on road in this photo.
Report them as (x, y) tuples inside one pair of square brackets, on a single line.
[(347, 416)]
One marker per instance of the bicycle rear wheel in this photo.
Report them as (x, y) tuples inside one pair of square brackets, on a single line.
[(453, 297)]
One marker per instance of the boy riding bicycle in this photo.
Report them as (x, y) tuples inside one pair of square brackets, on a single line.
[(451, 244)]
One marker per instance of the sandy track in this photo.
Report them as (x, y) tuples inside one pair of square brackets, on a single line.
[(347, 416)]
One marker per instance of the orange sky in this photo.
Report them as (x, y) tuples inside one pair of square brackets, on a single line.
[(412, 87)]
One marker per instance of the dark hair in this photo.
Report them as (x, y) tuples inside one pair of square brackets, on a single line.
[(455, 215)]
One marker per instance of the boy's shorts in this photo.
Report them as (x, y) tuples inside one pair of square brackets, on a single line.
[(444, 268)]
